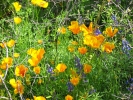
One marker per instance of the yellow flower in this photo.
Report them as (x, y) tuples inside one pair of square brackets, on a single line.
[(74, 43), (61, 67), (33, 61), (110, 32), (40, 81), (40, 53), (87, 68), (17, 85), (37, 55), (11, 43), (75, 28), (87, 31), (43, 4), (40, 41), (39, 98), (3, 44), (17, 6), (62, 30), (17, 20), (82, 50), (40, 3), (6, 62), (70, 48), (16, 55), (1, 74), (31, 50), (37, 70), (75, 80), (93, 41), (21, 70), (108, 47), (68, 97)]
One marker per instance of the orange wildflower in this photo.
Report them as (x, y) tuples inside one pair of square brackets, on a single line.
[(110, 32), (6, 62), (75, 80), (37, 55), (33, 61), (82, 50), (21, 70), (93, 41), (87, 68), (37, 70), (87, 31), (3, 44), (68, 97), (61, 67), (17, 85), (108, 47), (62, 30), (75, 28)]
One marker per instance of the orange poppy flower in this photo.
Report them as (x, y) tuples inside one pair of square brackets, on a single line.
[(110, 32), (37, 70), (74, 27), (75, 80), (108, 47), (68, 97), (87, 68), (82, 50), (21, 70), (17, 85), (61, 67)]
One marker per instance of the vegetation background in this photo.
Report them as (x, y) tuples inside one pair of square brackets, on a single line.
[(111, 76)]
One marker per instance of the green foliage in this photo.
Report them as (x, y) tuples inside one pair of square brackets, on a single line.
[(110, 71)]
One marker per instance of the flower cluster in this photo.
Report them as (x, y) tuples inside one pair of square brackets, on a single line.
[(93, 37), (36, 56), (17, 85), (6, 63)]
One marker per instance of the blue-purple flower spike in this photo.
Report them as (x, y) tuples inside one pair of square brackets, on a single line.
[(78, 64), (125, 46), (70, 86)]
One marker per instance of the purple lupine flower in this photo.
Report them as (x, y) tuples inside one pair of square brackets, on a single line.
[(114, 19), (130, 88), (129, 82), (70, 86), (97, 32), (117, 1), (49, 69), (125, 46), (78, 64), (92, 91)]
